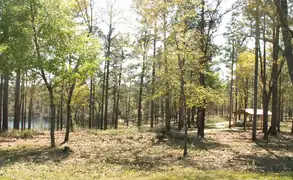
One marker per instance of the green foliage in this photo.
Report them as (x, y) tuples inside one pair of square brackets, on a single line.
[(199, 96), (23, 134)]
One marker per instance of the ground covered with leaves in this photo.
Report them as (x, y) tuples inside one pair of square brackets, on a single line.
[(145, 154)]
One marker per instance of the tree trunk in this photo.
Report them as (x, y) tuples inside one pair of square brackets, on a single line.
[(17, 106), (128, 106), (118, 96), (166, 71), (153, 103), (30, 111), (93, 103), (52, 117), (107, 73), (1, 98), (201, 110), (69, 113), (188, 117), (139, 114), (193, 115), (90, 104), (114, 104), (273, 128), (264, 92), (22, 104), (282, 9), (58, 119), (245, 103), (280, 105), (25, 101), (231, 88), (103, 98), (61, 110), (257, 37), (5, 101)]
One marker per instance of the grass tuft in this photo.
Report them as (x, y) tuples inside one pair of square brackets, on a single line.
[(22, 134)]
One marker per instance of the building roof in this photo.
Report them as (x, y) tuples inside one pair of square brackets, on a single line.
[(250, 111)]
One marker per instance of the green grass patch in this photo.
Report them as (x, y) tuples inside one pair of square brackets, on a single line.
[(190, 174), (23, 134)]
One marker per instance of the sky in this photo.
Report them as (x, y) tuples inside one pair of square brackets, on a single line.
[(126, 22)]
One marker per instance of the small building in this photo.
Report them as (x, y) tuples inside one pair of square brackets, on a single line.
[(240, 114)]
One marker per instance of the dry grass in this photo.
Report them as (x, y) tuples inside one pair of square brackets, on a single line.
[(137, 154)]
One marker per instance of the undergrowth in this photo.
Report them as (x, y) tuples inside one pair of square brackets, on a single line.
[(23, 134)]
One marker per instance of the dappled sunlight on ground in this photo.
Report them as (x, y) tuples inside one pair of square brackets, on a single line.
[(132, 152)]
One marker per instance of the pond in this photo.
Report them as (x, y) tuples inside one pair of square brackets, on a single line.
[(37, 123)]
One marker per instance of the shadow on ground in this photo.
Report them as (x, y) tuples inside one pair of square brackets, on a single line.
[(35, 155)]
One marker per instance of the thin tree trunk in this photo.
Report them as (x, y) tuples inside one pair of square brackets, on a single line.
[(5, 101), (153, 103), (231, 88), (17, 106), (256, 72), (162, 110), (114, 104), (166, 69), (22, 103), (245, 103), (139, 113), (69, 113), (25, 101), (93, 102), (273, 128), (193, 115), (30, 112), (280, 105), (183, 105), (118, 95), (61, 110), (90, 104), (103, 98), (58, 119), (107, 73), (52, 117), (128, 106), (265, 93), (188, 118), (1, 98)]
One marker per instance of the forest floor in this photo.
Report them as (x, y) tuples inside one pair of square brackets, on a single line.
[(131, 153)]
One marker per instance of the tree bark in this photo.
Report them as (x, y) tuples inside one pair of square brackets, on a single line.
[(245, 103), (1, 98), (202, 110), (22, 103), (17, 106), (280, 105), (103, 98), (30, 112), (153, 103), (5, 101), (90, 104), (166, 71), (257, 37), (264, 91), (52, 117), (273, 128), (118, 95), (231, 88), (139, 113), (282, 9), (61, 110), (69, 113)]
